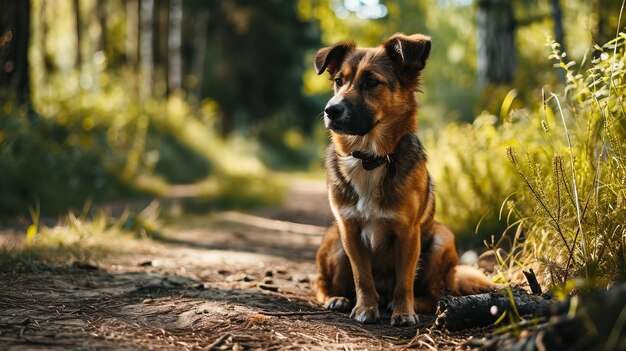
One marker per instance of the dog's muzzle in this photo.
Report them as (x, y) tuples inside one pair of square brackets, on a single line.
[(334, 112)]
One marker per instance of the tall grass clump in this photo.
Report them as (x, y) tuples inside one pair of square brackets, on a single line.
[(572, 199), (560, 198), (78, 237)]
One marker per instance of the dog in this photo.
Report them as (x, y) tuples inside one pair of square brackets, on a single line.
[(384, 248)]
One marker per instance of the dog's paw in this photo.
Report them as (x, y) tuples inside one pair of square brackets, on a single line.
[(365, 314), (404, 319), (338, 303)]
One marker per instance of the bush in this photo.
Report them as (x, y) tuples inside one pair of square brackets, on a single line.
[(106, 144), (44, 162), (562, 193), (574, 194), (471, 178)]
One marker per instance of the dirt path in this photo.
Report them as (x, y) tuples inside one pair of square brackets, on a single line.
[(226, 281)]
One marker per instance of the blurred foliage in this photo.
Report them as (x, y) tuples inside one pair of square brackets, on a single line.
[(257, 48), (472, 178), (44, 162), (88, 132)]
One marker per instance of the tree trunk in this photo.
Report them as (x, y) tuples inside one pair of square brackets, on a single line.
[(14, 38), (608, 13), (132, 23), (199, 56), (557, 18), (160, 41), (174, 74), (496, 42), (559, 34), (146, 53), (101, 13), (79, 56)]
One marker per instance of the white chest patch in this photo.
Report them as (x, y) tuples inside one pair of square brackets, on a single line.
[(368, 186)]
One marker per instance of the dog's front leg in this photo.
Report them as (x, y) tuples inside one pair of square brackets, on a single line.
[(407, 251), (366, 306)]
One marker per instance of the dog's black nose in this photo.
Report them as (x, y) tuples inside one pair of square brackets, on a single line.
[(334, 111)]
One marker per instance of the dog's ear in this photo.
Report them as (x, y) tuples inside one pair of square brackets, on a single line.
[(408, 51), (330, 58)]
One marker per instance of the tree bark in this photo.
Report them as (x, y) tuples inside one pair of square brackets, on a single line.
[(132, 24), (199, 52), (559, 34), (146, 52), (14, 39), (79, 55), (557, 18), (497, 58), (160, 41), (608, 13), (174, 74), (101, 13)]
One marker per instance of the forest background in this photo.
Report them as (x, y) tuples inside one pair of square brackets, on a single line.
[(115, 100)]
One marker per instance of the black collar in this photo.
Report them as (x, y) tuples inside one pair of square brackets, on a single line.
[(370, 161)]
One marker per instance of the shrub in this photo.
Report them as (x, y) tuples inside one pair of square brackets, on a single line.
[(471, 177), (44, 162), (562, 194), (574, 194)]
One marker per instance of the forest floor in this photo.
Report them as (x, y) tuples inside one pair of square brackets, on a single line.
[(228, 280)]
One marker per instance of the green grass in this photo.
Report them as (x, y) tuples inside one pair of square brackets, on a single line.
[(574, 186), (78, 238)]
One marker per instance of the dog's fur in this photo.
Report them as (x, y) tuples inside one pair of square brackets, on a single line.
[(385, 247)]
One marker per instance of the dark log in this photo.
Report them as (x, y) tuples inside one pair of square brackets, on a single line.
[(590, 321), (594, 320), (462, 312)]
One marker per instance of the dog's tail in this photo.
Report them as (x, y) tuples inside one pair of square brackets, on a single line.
[(467, 280)]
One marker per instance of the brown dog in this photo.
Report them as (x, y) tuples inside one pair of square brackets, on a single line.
[(385, 247)]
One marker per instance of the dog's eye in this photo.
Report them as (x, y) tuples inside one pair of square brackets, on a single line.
[(371, 83), (339, 81)]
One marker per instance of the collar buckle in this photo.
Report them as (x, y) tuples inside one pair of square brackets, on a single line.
[(370, 162)]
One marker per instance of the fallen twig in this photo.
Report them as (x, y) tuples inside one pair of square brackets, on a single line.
[(293, 313), (218, 341), (38, 341)]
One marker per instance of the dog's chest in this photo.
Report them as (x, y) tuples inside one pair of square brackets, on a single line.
[(368, 186)]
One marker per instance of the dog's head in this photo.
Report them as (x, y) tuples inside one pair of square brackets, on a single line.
[(373, 87)]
